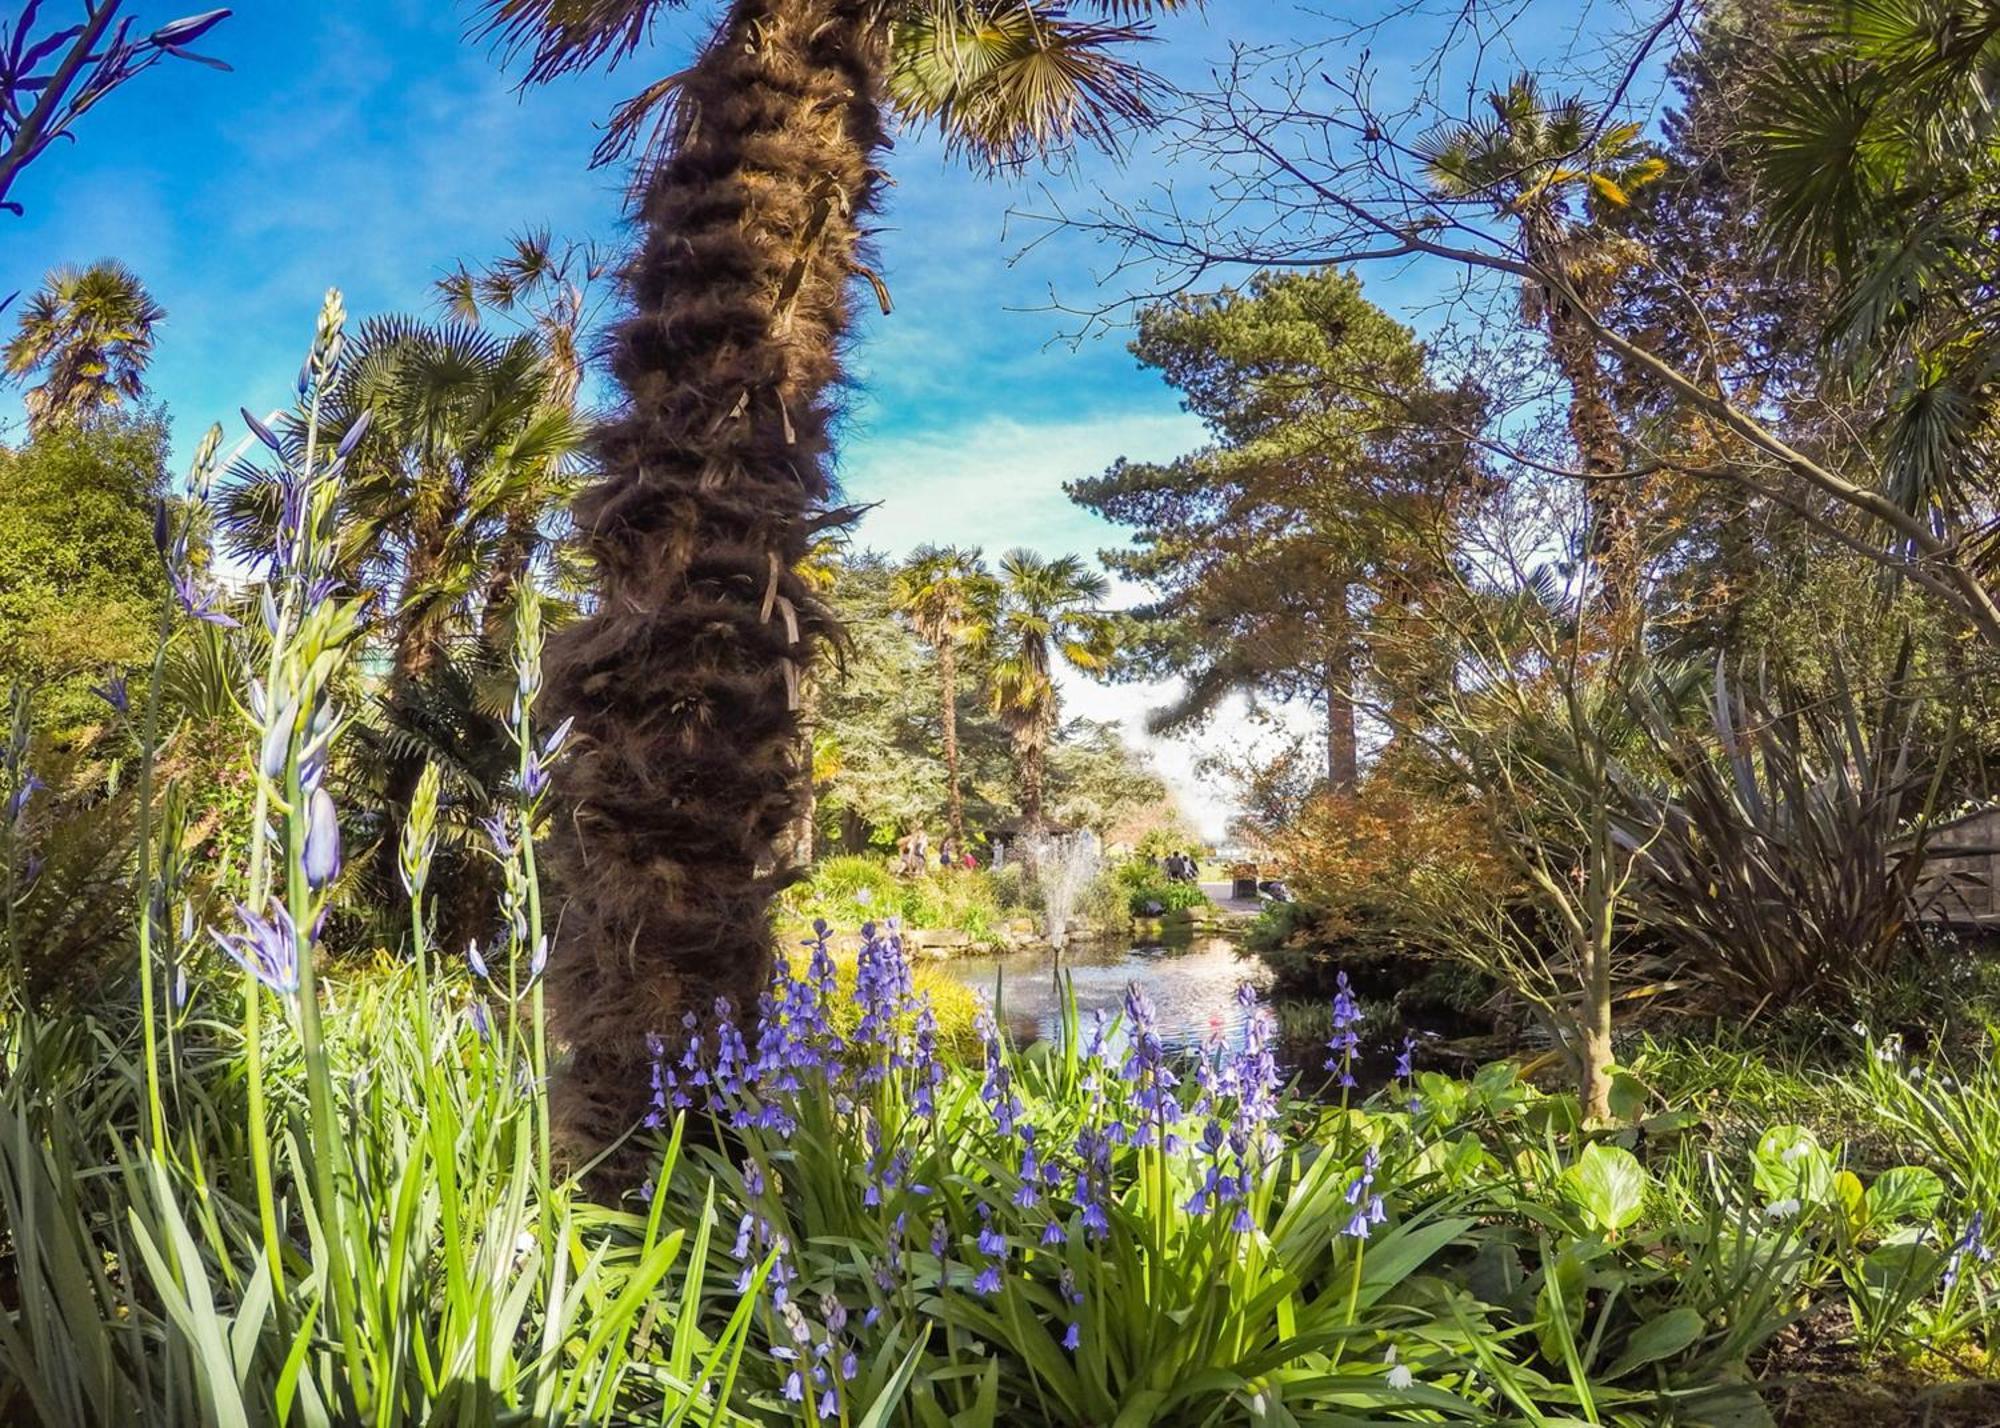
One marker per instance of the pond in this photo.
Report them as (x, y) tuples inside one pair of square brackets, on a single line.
[(1193, 986)]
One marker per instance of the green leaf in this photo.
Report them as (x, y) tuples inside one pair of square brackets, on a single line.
[(884, 1407), (1660, 1338), (1908, 1192), (1790, 1164), (1608, 1184), (1628, 1095)]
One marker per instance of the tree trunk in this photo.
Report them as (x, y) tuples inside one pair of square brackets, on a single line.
[(1031, 745), (1593, 430), (948, 713), (684, 680), (1343, 762)]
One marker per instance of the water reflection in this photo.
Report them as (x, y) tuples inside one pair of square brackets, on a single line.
[(1193, 987)]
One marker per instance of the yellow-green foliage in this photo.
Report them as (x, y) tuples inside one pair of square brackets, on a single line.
[(848, 891)]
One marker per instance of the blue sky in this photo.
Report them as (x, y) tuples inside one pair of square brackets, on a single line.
[(367, 145)]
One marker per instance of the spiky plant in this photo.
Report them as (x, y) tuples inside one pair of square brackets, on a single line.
[(764, 162)]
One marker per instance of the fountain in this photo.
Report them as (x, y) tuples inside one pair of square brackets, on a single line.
[(1063, 867)]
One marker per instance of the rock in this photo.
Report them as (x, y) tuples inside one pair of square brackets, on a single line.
[(938, 939), (1022, 927)]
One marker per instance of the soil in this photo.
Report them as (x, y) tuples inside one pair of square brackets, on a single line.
[(1815, 1377)]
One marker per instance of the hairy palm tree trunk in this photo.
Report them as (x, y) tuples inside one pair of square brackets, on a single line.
[(1593, 429), (948, 712), (684, 680), (1031, 746)]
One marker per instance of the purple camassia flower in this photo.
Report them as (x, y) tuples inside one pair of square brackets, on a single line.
[(17, 801), (114, 693), (499, 834), (320, 857), (267, 949)]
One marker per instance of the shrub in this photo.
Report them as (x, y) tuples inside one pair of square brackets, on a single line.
[(1783, 862), (1148, 891)]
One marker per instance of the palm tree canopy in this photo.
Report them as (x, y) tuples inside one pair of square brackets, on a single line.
[(1049, 613), (947, 593), (90, 332), (1529, 153), (1003, 80), (469, 444), (1874, 143)]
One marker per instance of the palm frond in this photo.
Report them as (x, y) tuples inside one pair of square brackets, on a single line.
[(1007, 80), (562, 37)]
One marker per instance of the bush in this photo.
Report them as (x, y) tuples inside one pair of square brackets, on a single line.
[(1149, 892), (852, 889)]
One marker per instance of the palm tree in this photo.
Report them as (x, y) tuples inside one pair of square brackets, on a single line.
[(1047, 613), (763, 171), (1535, 160), (454, 498), (949, 599), (89, 333)]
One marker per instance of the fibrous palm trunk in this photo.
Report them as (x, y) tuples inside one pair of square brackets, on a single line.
[(1593, 429), (684, 679), (1031, 753)]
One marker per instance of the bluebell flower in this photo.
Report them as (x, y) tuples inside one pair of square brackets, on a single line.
[(1345, 1039), (114, 693), (1072, 1337), (1146, 1072), (987, 1281), (475, 961), (1971, 1245)]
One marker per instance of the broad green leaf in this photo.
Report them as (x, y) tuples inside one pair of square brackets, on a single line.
[(1908, 1192), (1628, 1095), (1790, 1164), (1608, 1184), (1660, 1338)]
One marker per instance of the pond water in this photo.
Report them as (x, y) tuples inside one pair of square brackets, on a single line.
[(1193, 986)]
